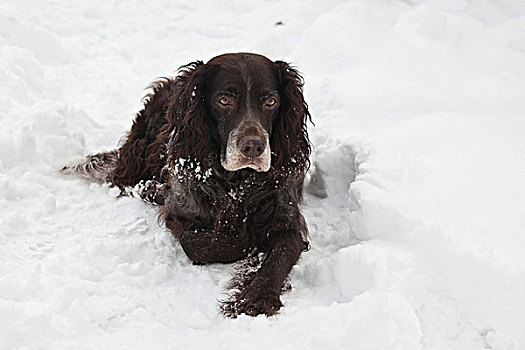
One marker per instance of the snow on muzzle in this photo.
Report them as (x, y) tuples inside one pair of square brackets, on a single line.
[(248, 146)]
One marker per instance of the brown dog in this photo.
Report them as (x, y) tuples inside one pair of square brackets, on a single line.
[(223, 148)]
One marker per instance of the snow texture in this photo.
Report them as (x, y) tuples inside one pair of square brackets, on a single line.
[(419, 111)]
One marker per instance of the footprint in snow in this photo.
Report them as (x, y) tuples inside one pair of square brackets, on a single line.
[(137, 226)]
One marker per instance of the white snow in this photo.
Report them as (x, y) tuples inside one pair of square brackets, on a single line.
[(419, 134)]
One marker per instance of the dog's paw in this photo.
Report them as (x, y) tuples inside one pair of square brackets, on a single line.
[(151, 191), (263, 304), (252, 302)]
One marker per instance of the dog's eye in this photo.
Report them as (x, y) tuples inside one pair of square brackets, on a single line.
[(270, 101), (226, 100)]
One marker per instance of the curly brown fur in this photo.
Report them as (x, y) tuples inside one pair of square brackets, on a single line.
[(230, 112)]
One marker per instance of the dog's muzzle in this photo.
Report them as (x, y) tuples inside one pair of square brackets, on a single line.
[(248, 146)]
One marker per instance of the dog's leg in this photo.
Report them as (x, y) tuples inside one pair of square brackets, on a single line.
[(261, 296), (208, 246)]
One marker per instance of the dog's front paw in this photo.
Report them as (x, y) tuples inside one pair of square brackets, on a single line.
[(151, 191), (251, 303), (262, 303), (257, 301)]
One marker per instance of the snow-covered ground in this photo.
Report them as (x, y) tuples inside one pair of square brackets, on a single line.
[(419, 111)]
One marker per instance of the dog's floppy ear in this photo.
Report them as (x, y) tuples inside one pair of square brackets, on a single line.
[(289, 141), (186, 114)]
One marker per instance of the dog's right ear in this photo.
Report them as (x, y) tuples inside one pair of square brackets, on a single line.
[(187, 113)]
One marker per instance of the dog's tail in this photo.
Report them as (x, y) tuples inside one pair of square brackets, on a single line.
[(94, 167)]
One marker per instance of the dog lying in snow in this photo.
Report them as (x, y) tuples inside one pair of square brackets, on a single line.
[(223, 149)]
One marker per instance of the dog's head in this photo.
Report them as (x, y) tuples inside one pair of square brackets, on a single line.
[(243, 107), (243, 99)]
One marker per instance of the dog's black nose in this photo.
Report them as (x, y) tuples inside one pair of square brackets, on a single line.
[(252, 146)]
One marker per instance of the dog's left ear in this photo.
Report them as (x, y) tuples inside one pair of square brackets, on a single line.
[(289, 141)]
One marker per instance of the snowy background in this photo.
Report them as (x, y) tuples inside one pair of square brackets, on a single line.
[(419, 111)]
